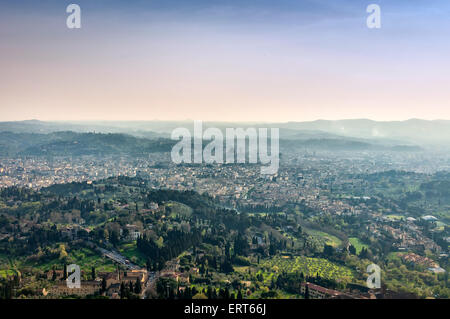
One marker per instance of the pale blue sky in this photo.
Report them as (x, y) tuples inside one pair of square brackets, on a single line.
[(255, 60)]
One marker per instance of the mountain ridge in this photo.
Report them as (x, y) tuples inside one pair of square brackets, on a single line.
[(411, 131)]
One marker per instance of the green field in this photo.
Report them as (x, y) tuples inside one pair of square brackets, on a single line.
[(357, 244), (132, 253), (83, 257), (180, 209), (325, 237), (309, 267), (87, 259)]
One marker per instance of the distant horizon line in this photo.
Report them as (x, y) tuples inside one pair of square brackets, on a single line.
[(219, 121)]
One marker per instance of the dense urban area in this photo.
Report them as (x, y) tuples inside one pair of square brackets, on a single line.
[(140, 226)]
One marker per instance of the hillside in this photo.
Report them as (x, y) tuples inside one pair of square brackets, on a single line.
[(78, 144)]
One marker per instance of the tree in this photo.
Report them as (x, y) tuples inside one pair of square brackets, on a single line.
[(364, 253), (54, 274), (62, 252), (209, 293), (328, 250), (224, 293), (103, 284), (227, 251), (137, 286), (122, 290), (227, 293), (241, 246), (352, 250), (130, 286), (227, 267), (114, 237), (106, 233), (65, 271)]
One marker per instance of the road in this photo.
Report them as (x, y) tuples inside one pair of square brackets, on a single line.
[(117, 257), (170, 266)]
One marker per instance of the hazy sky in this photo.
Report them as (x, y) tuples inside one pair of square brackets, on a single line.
[(253, 60)]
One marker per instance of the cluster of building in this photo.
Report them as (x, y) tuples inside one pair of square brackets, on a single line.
[(113, 282), (419, 260), (38, 172)]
